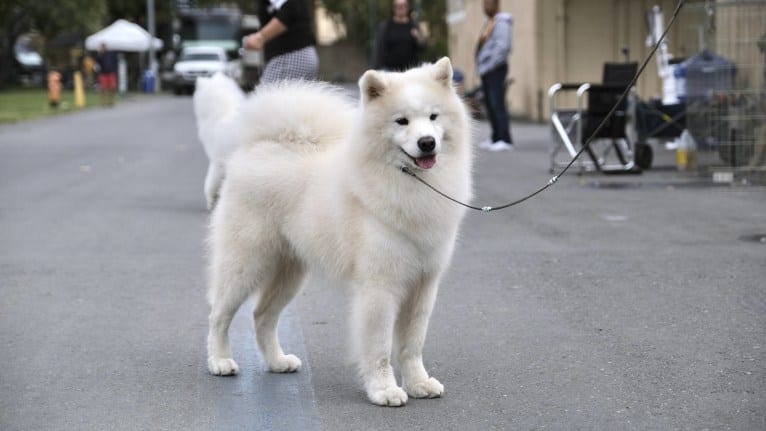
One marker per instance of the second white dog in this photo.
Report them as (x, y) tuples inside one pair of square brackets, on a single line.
[(216, 102)]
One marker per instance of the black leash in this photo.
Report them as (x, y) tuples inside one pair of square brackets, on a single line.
[(601, 125)]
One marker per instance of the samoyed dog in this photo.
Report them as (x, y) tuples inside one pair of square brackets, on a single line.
[(216, 102), (316, 183)]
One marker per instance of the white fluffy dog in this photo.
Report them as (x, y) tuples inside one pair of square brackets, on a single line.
[(216, 102), (316, 184)]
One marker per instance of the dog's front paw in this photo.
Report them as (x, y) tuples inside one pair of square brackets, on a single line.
[(285, 364), (222, 366), (391, 396), (429, 388)]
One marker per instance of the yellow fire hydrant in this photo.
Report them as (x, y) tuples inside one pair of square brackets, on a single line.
[(54, 88)]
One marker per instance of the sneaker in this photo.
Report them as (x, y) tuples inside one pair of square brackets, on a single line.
[(501, 146), (485, 144)]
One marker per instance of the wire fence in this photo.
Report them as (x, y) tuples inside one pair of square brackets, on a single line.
[(725, 88)]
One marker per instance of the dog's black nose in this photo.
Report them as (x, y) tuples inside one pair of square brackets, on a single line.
[(426, 144)]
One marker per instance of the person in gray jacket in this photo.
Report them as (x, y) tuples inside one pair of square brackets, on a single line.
[(492, 53)]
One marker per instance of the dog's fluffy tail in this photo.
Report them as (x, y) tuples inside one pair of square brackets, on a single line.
[(216, 102), (297, 112)]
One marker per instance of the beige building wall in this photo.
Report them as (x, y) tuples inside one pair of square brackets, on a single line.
[(565, 41), (738, 32)]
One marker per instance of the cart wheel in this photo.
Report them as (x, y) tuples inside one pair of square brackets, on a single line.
[(643, 155)]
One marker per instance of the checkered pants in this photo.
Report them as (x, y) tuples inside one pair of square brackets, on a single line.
[(300, 64)]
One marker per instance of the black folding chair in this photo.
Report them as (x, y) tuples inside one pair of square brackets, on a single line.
[(572, 127)]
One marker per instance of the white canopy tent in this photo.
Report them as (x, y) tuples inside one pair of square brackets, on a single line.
[(122, 35)]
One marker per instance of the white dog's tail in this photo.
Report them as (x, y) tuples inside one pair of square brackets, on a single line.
[(297, 112)]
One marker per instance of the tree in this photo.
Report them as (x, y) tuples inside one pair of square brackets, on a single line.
[(361, 18), (135, 11), (245, 6), (48, 18)]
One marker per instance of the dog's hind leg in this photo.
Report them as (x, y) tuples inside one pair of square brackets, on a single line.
[(237, 271), (372, 319), (224, 306), (213, 181), (271, 300), (411, 327)]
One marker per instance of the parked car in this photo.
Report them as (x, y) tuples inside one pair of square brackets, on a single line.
[(30, 65), (195, 62)]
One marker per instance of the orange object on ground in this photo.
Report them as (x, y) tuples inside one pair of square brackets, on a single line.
[(54, 88)]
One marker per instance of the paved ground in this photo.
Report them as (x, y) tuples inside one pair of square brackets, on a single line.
[(605, 303)]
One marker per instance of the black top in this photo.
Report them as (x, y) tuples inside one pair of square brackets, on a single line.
[(294, 14), (107, 62), (396, 48)]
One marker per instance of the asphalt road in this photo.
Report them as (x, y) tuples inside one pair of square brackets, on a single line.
[(605, 303)]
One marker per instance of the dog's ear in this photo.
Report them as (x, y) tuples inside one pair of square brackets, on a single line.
[(442, 71), (372, 85)]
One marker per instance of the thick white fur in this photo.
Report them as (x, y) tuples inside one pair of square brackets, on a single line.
[(216, 103), (316, 184)]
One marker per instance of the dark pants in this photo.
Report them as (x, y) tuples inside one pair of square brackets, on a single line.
[(493, 85)]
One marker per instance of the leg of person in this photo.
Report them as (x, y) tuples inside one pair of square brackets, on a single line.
[(102, 88), (271, 300), (506, 121), (114, 86), (112, 79), (496, 98), (486, 87), (411, 328), (301, 64), (270, 73)]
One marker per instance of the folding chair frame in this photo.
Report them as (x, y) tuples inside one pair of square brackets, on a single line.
[(569, 126)]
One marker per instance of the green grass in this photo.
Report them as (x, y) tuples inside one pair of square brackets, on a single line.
[(26, 103)]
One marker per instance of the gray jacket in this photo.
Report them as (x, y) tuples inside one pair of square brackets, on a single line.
[(497, 48)]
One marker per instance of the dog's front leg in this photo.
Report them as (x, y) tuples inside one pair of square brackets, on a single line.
[(411, 327), (373, 314)]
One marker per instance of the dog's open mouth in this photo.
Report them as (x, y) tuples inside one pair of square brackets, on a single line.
[(426, 162), (423, 162)]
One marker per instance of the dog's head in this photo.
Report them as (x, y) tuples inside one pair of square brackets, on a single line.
[(414, 118)]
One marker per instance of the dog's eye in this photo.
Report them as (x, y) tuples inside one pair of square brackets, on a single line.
[(402, 121), (434, 116)]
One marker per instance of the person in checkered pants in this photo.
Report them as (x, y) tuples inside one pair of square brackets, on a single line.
[(286, 39)]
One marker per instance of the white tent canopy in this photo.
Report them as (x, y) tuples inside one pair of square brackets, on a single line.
[(122, 35)]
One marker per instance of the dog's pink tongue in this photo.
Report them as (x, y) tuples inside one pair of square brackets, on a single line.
[(426, 162)]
